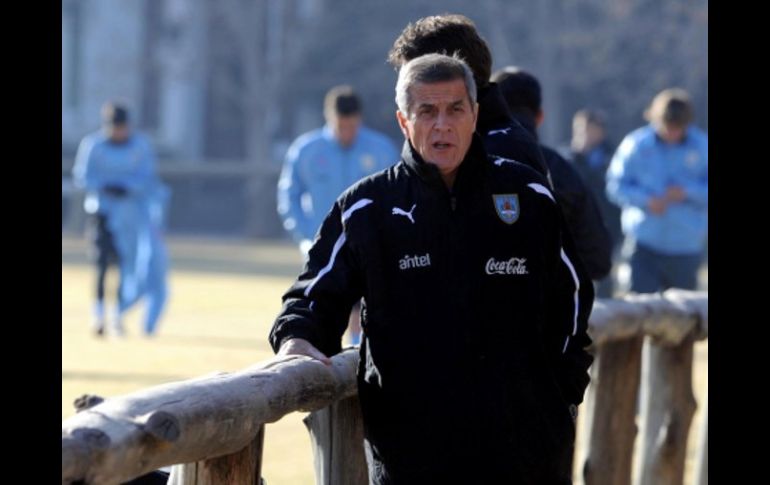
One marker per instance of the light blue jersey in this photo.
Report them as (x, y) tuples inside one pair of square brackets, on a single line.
[(317, 170), (135, 220), (100, 163), (643, 167)]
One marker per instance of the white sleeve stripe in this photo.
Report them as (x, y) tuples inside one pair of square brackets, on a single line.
[(358, 205), (566, 343), (338, 244), (541, 189), (577, 288), (328, 267)]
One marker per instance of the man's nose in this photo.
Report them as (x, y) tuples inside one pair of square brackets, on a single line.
[(442, 122)]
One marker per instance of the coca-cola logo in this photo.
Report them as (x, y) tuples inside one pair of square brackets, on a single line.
[(512, 266)]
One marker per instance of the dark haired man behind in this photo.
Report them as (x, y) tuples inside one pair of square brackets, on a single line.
[(522, 93)]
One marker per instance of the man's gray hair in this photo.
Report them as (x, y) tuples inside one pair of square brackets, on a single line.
[(429, 69)]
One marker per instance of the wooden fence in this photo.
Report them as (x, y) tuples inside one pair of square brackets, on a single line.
[(212, 427)]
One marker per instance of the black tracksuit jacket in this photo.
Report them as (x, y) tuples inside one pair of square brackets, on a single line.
[(581, 211), (474, 320), (506, 136)]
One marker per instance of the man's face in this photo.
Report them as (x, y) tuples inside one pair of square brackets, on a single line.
[(594, 134), (670, 133), (117, 133), (345, 128), (440, 123)]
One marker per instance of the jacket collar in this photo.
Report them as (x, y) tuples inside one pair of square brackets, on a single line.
[(469, 169)]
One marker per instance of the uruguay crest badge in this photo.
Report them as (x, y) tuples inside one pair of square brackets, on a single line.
[(507, 207)]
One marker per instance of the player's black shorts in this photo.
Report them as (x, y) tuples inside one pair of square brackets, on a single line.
[(103, 244)]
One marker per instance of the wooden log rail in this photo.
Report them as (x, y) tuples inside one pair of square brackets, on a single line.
[(198, 419), (212, 426)]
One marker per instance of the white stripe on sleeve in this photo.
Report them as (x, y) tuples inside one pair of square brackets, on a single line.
[(577, 288), (541, 189), (338, 244)]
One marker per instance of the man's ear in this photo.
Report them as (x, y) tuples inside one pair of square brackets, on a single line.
[(402, 123), (539, 117)]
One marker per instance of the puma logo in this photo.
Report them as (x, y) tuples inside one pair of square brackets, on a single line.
[(397, 211), (502, 131)]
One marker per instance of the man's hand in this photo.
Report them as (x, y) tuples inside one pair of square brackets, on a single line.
[(299, 346), (657, 205), (675, 193)]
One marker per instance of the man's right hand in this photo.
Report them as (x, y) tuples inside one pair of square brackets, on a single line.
[(299, 346)]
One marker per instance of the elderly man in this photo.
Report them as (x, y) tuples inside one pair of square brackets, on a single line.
[(463, 256)]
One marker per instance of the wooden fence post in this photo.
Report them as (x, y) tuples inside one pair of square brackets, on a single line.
[(337, 437), (668, 406), (243, 467), (612, 419), (702, 478)]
